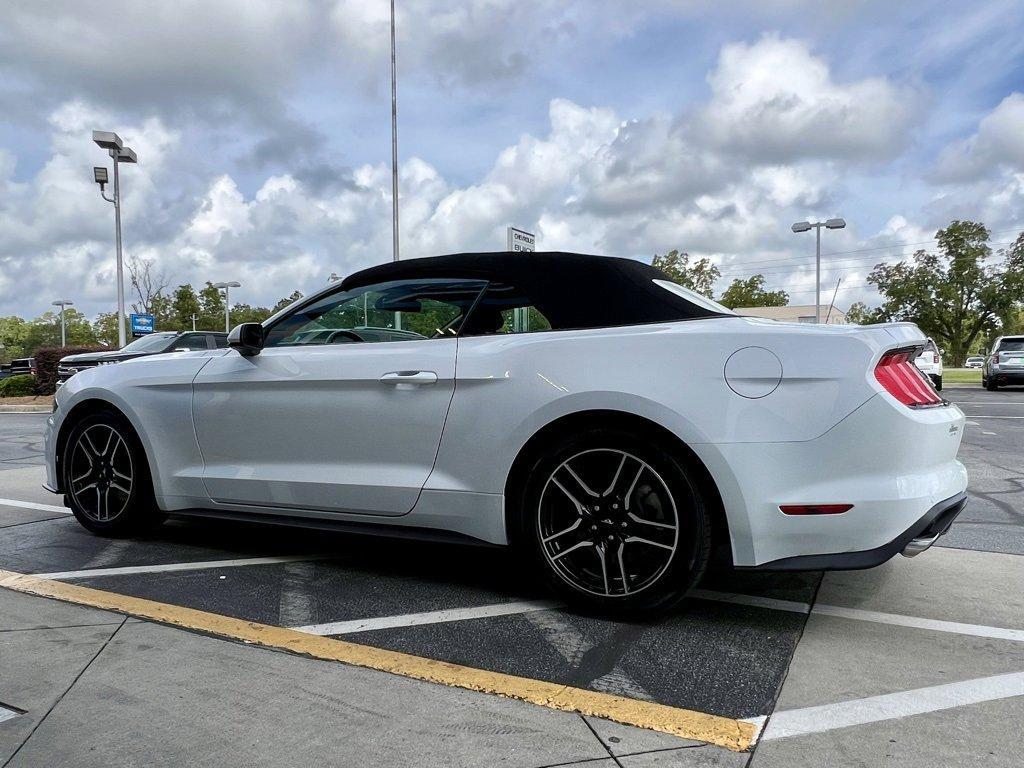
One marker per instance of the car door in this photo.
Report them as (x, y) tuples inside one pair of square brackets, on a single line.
[(343, 408)]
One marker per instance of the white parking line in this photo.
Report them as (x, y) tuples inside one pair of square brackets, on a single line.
[(429, 617), (166, 567), (892, 706), (859, 614), (33, 505), (953, 627)]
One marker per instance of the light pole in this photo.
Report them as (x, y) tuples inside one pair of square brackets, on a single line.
[(63, 333), (227, 301), (804, 226), (121, 154), (394, 141)]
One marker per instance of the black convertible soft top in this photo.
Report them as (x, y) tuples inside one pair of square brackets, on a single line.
[(572, 290)]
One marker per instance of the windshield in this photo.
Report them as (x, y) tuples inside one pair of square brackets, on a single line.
[(1011, 345), (151, 343), (694, 297)]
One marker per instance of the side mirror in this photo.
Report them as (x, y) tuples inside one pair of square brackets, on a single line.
[(247, 338)]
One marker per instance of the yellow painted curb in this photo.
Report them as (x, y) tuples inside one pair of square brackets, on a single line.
[(736, 735)]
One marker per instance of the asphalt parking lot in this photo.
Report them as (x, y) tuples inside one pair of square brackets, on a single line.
[(921, 660)]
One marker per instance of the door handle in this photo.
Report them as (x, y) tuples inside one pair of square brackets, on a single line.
[(415, 378)]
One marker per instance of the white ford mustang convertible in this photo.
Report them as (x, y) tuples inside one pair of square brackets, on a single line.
[(615, 426)]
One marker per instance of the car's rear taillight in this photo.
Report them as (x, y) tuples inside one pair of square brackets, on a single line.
[(902, 379), (935, 358)]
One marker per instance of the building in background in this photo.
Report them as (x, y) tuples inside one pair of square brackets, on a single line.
[(797, 313)]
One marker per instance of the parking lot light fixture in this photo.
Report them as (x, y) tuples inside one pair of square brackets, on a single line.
[(112, 143), (227, 301), (62, 303), (806, 226)]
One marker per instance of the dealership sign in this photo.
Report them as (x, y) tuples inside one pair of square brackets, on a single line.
[(518, 240), (141, 324)]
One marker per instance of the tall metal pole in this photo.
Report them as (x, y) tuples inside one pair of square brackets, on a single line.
[(63, 334), (817, 282), (120, 263), (227, 310), (394, 140)]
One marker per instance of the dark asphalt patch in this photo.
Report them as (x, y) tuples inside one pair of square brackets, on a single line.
[(352, 587), (722, 659), (713, 657)]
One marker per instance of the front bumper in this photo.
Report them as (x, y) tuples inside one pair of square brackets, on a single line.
[(913, 541)]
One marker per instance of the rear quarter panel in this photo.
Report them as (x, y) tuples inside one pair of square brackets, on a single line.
[(510, 386)]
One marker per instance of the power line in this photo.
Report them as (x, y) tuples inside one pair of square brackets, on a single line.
[(903, 248), (744, 268)]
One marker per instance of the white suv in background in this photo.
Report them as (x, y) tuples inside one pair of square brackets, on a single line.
[(929, 362)]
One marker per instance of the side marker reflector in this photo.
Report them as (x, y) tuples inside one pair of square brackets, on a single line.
[(815, 509)]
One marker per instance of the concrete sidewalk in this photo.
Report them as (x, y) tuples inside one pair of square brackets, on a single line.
[(101, 689), (948, 692)]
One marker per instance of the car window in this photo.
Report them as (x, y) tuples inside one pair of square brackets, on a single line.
[(219, 342), (190, 341), (152, 342), (505, 309), (699, 299), (399, 310), (1011, 345)]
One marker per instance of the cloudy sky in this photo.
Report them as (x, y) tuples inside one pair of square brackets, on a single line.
[(263, 133)]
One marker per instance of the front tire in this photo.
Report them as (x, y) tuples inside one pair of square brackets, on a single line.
[(615, 522), (106, 477)]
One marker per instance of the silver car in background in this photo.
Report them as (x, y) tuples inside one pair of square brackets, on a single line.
[(1004, 364)]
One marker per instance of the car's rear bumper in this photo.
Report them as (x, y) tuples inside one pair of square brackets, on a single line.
[(893, 464), (1007, 377), (913, 541)]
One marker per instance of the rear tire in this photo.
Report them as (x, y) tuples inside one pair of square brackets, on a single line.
[(990, 385), (938, 383), (106, 478), (615, 522)]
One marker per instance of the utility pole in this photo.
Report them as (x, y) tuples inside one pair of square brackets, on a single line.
[(394, 140), (120, 154), (804, 226), (62, 303)]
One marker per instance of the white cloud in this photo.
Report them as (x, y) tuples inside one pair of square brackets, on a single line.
[(775, 100), (997, 144), (774, 142)]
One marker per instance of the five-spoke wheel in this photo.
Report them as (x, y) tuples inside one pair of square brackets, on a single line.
[(608, 522), (616, 521), (101, 472), (105, 476)]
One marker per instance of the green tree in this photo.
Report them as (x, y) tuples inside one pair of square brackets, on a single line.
[(295, 296), (184, 304), (859, 314), (700, 276), (751, 293), (104, 328), (954, 295), (13, 332), (211, 309)]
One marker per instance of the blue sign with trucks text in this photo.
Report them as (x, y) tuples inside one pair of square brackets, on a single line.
[(141, 324)]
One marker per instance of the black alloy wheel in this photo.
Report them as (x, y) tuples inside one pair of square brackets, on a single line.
[(616, 522), (106, 477)]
